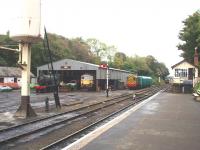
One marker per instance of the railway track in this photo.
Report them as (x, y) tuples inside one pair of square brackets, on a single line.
[(70, 138), (13, 134)]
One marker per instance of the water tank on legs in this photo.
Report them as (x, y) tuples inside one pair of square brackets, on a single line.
[(26, 21)]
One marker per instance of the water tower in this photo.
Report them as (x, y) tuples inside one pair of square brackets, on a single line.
[(26, 30)]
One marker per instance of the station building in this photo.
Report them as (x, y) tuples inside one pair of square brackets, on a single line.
[(68, 70)]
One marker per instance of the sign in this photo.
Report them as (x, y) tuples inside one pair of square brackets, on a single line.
[(103, 66), (65, 67)]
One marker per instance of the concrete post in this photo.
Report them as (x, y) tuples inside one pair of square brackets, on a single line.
[(25, 110)]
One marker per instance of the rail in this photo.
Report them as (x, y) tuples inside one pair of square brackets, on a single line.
[(14, 133)]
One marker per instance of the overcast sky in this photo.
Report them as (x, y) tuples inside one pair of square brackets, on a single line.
[(142, 27)]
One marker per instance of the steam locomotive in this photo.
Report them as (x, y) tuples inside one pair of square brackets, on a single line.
[(46, 83)]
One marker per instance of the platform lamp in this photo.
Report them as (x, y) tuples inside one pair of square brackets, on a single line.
[(25, 30)]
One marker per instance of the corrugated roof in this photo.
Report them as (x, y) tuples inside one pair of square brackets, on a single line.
[(86, 63), (11, 72)]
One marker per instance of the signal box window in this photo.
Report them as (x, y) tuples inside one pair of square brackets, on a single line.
[(181, 73)]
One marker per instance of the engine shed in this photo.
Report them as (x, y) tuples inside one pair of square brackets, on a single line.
[(71, 70)]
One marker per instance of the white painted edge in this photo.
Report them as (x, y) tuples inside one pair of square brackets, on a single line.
[(94, 134)]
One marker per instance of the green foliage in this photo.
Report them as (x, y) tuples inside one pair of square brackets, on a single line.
[(97, 47), (190, 35), (8, 58), (61, 48), (143, 66), (91, 50), (101, 50), (119, 59), (197, 88)]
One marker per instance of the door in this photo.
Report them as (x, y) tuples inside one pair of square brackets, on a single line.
[(190, 73)]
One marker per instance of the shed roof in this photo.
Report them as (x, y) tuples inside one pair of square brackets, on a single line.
[(11, 72), (79, 62)]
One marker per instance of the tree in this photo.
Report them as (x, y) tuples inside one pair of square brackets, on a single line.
[(81, 50), (152, 63), (110, 52), (137, 65), (162, 70), (8, 58), (101, 50), (61, 48), (92, 51), (97, 47), (190, 35), (147, 66), (119, 60)]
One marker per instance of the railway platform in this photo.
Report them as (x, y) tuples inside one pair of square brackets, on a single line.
[(166, 122)]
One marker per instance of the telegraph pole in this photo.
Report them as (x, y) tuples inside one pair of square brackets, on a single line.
[(55, 86)]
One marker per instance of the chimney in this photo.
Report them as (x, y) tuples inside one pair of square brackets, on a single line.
[(196, 57)]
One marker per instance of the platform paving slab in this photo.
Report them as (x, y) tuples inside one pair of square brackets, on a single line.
[(167, 122)]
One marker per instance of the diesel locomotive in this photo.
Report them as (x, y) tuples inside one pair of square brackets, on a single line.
[(87, 81), (137, 82)]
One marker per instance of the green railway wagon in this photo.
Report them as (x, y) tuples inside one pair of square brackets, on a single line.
[(144, 81)]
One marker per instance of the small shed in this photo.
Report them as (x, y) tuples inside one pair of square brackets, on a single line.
[(11, 75)]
